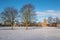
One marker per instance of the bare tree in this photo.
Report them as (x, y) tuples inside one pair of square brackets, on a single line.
[(27, 12), (50, 20), (57, 20), (9, 14)]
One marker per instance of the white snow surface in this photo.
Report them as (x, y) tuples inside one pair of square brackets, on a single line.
[(33, 33)]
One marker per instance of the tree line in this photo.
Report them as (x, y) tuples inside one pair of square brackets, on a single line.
[(53, 21), (27, 15)]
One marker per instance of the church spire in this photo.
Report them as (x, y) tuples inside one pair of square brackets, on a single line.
[(44, 24)]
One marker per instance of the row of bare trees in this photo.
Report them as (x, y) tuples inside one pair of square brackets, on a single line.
[(53, 20), (27, 14)]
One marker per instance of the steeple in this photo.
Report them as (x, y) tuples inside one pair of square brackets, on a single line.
[(44, 24)]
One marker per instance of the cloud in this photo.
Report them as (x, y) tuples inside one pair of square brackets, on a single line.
[(48, 13), (42, 14)]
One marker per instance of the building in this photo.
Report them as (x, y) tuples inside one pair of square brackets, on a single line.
[(44, 24)]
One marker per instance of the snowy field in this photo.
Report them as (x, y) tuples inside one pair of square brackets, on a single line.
[(33, 33)]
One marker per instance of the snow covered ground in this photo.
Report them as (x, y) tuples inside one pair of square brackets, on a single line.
[(33, 33)]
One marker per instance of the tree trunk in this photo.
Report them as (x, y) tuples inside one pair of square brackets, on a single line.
[(12, 28), (26, 26), (12, 25), (26, 22)]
